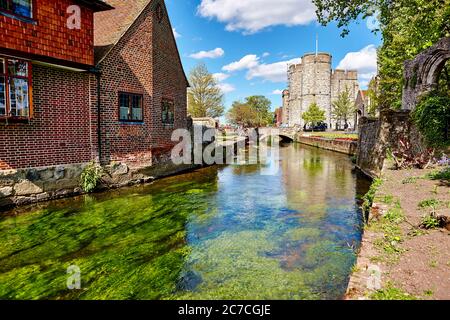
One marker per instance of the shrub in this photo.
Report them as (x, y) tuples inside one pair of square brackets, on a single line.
[(432, 117), (405, 157), (90, 177)]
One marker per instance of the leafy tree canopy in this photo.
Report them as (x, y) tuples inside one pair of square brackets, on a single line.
[(205, 99), (254, 112), (344, 107), (407, 27), (314, 115)]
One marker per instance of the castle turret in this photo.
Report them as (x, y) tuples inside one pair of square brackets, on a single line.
[(313, 81)]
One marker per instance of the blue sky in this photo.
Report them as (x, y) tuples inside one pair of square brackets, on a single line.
[(248, 43)]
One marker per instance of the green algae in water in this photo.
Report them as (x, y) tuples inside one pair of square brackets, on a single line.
[(217, 233)]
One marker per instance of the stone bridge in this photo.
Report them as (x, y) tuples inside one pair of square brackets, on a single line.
[(287, 134)]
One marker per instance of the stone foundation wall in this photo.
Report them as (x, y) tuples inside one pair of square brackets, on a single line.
[(24, 186), (27, 186), (347, 147)]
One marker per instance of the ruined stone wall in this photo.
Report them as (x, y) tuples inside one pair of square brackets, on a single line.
[(378, 136)]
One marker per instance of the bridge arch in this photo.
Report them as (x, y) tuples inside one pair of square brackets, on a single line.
[(285, 134)]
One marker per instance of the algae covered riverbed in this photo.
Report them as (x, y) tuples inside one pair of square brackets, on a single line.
[(216, 233)]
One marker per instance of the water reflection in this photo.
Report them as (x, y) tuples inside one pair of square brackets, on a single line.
[(220, 232)]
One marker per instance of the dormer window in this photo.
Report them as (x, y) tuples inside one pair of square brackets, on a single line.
[(21, 8)]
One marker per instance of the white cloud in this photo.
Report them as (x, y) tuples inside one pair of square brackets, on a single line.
[(364, 61), (213, 54), (247, 62), (221, 76), (250, 16), (226, 87), (274, 72), (277, 92), (176, 34), (266, 54)]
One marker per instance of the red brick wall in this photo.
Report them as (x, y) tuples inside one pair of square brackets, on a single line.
[(168, 79), (49, 36), (59, 132), (145, 61)]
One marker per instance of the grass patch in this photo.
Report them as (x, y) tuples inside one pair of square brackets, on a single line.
[(428, 293), (370, 195), (434, 264), (430, 221), (429, 203), (443, 175), (389, 226), (392, 293), (410, 180), (388, 199)]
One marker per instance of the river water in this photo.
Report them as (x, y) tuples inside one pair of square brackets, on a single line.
[(225, 232)]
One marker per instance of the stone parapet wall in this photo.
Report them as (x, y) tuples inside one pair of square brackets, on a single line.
[(347, 147)]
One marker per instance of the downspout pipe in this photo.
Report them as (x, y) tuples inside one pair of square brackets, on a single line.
[(98, 76)]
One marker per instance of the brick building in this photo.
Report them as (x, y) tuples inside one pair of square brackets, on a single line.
[(122, 59)]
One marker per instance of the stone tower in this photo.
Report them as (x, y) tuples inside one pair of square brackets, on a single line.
[(314, 81)]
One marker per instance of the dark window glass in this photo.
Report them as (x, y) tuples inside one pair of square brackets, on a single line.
[(130, 107), (19, 7), (5, 5), (2, 96), (168, 114), (136, 108), (22, 7)]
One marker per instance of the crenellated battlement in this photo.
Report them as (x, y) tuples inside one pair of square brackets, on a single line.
[(314, 81)]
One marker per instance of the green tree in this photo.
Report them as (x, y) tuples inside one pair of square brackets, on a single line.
[(205, 99), (262, 106), (314, 115), (344, 107), (407, 27), (373, 97), (241, 114), (254, 112)]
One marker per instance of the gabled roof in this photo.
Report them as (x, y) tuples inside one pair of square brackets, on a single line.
[(110, 26)]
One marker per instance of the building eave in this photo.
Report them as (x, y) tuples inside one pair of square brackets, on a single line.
[(96, 5)]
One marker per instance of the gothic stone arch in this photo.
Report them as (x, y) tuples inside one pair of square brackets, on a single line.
[(422, 74)]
